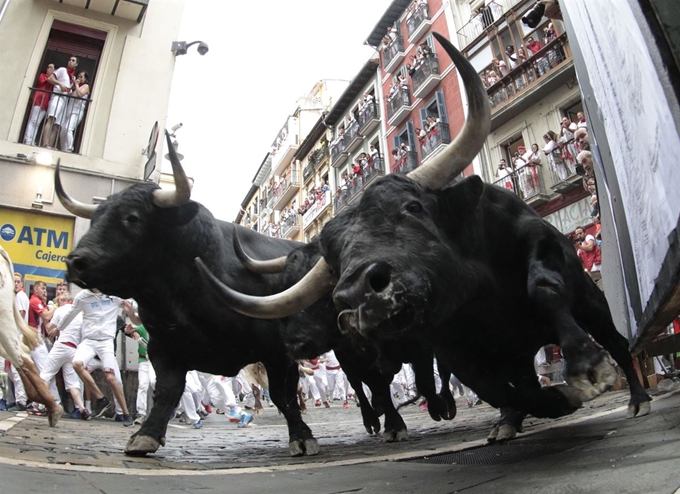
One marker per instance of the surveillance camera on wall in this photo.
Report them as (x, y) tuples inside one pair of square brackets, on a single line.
[(175, 128), (202, 48)]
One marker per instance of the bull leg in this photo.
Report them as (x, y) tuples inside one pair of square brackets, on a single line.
[(437, 405), (170, 382), (588, 369), (354, 370), (508, 426), (283, 383), (36, 390), (598, 322)]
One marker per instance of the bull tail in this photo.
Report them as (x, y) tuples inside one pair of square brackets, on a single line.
[(30, 336)]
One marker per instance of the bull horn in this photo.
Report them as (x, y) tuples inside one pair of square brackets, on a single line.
[(297, 298), (72, 206), (182, 192), (459, 154), (262, 267)]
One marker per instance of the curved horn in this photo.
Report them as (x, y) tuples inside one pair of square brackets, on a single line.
[(304, 293), (72, 206), (262, 267), (182, 192), (459, 154)]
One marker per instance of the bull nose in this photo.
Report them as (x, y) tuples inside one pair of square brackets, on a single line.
[(75, 264), (367, 283)]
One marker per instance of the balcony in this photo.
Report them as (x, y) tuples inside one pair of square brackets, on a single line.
[(316, 158), (368, 118), (564, 177), (426, 77), (533, 74), (526, 182), (435, 140), (417, 23), (290, 226), (337, 148), (316, 209), (285, 146), (272, 230), (352, 137), (393, 54), (406, 163), (358, 183), (398, 106), (286, 189), (478, 25)]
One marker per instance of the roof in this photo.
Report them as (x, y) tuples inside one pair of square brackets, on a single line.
[(367, 72), (312, 138), (391, 15)]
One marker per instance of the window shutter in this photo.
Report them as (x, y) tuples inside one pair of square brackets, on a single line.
[(423, 117), (411, 134), (441, 106)]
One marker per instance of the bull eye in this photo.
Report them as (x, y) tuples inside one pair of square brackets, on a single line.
[(414, 207), (132, 218)]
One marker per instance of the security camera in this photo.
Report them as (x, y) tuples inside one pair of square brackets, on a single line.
[(202, 48), (175, 128)]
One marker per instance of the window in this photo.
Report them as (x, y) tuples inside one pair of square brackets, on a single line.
[(511, 148), (435, 108), (58, 121)]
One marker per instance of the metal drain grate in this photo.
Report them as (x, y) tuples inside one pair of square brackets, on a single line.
[(506, 453)]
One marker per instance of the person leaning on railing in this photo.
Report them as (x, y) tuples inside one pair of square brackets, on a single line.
[(75, 109), (41, 97)]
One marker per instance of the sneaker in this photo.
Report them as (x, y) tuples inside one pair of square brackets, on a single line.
[(246, 418), (127, 421), (317, 403), (85, 414), (18, 407), (207, 407), (345, 405), (219, 411), (119, 417), (197, 425), (101, 406), (3, 404), (202, 413), (233, 416), (326, 404), (75, 414), (139, 419), (183, 418), (34, 410)]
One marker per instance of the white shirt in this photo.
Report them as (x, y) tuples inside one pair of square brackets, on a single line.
[(72, 332), (331, 359), (62, 76), (99, 315), (22, 303)]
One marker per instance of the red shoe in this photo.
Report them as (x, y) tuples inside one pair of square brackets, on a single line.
[(317, 403), (207, 407), (326, 404), (345, 405)]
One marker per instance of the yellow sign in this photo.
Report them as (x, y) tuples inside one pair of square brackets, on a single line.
[(37, 243)]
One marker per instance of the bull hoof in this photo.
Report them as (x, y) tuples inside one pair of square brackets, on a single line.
[(573, 396), (395, 436), (493, 434), (506, 432), (639, 409), (599, 379), (372, 429), (306, 447), (54, 415), (142, 445)]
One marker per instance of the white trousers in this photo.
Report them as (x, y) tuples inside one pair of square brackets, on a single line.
[(336, 383), (222, 393), (61, 357), (68, 130), (34, 119), (146, 377)]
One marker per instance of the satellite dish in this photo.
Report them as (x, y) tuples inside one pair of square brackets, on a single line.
[(150, 152)]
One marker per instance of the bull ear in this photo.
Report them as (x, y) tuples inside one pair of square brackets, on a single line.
[(462, 197)]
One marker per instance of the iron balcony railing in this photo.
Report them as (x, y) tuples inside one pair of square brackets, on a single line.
[(437, 136), (528, 73), (406, 162), (398, 100), (392, 50), (487, 16), (420, 15), (359, 182), (429, 66), (337, 147), (292, 221), (64, 131), (315, 209), (525, 182), (367, 113)]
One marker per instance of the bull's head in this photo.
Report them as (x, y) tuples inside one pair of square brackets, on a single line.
[(119, 228), (383, 256)]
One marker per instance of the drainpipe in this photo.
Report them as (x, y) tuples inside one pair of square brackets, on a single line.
[(5, 3)]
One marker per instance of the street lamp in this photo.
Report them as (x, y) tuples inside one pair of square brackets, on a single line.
[(180, 47)]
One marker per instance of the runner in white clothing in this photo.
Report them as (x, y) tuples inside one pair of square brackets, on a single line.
[(98, 332)]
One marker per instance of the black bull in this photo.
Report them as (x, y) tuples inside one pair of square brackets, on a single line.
[(471, 270)]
